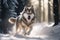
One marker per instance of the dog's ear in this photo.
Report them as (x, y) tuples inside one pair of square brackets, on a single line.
[(12, 20)]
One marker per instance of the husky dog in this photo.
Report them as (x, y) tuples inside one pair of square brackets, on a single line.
[(24, 21)]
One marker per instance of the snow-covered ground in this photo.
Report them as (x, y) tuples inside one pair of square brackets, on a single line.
[(47, 33), (16, 37)]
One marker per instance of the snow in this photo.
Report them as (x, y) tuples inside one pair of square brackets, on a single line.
[(16, 37), (46, 33)]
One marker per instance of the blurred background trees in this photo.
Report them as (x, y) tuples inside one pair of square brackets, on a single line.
[(9, 8), (45, 10)]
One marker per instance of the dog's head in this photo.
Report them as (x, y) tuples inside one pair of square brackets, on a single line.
[(29, 13)]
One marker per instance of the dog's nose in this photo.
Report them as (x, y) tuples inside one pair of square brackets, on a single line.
[(29, 17)]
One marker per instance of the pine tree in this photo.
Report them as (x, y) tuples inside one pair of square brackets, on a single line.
[(9, 9)]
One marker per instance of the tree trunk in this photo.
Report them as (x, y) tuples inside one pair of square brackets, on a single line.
[(44, 10)]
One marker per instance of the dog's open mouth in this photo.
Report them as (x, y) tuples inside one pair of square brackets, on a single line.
[(29, 17)]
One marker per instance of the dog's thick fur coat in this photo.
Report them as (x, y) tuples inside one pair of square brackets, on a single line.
[(24, 21)]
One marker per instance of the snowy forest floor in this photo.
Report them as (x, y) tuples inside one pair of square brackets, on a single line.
[(51, 33)]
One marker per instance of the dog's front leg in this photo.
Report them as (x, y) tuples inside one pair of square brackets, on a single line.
[(28, 30), (23, 31)]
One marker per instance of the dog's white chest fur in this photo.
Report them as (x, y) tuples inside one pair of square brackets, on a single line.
[(26, 17)]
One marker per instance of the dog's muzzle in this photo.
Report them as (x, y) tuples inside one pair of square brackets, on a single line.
[(29, 17)]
